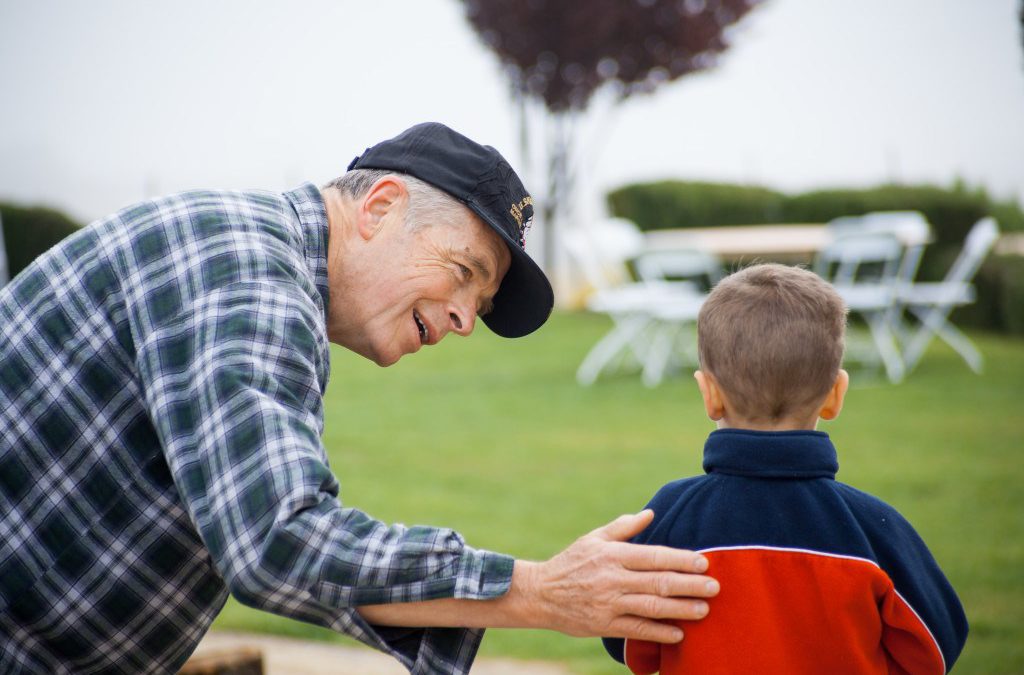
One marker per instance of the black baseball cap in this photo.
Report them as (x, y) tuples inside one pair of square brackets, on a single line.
[(479, 177)]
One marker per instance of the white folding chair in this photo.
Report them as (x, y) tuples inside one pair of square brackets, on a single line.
[(702, 268), (863, 267), (674, 336), (911, 228), (601, 251), (932, 302)]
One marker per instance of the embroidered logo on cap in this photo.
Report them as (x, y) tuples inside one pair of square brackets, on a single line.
[(518, 211)]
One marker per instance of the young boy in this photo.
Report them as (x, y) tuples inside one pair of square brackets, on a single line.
[(816, 576)]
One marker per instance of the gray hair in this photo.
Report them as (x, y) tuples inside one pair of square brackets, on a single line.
[(427, 205)]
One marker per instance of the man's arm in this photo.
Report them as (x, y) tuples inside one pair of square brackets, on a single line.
[(232, 386), (598, 586)]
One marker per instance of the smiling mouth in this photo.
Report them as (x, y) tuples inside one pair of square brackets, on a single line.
[(424, 333)]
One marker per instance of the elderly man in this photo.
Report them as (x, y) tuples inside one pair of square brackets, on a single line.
[(161, 383)]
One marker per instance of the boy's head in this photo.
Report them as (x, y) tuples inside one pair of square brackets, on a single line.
[(770, 340)]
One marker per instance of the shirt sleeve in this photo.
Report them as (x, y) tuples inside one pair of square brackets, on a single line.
[(924, 627), (233, 390)]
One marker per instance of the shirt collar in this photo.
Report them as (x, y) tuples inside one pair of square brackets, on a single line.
[(771, 454), (308, 204)]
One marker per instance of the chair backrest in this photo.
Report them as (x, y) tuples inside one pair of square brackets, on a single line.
[(601, 250), (905, 224), (977, 244), (860, 257), (696, 265), (911, 228)]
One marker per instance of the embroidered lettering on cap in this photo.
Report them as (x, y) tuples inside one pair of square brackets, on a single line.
[(517, 209), (517, 213)]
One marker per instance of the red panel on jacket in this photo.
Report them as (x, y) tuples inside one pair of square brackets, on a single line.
[(772, 616)]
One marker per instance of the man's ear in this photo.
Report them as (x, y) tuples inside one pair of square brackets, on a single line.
[(834, 400), (714, 405), (387, 196)]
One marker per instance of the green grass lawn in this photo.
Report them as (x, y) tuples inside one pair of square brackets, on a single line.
[(494, 438)]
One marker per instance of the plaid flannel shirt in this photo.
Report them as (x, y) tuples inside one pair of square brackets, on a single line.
[(161, 383)]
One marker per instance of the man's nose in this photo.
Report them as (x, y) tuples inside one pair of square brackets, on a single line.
[(462, 319)]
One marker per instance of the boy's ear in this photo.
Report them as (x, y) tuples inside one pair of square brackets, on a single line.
[(712, 395), (834, 400), (381, 199)]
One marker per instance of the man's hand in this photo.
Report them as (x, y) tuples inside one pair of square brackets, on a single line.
[(602, 586), (598, 587)]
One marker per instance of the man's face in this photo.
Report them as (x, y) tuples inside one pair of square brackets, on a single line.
[(421, 285)]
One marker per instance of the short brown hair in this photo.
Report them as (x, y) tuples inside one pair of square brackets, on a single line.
[(772, 337)]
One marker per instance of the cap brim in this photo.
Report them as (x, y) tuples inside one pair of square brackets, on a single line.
[(525, 298)]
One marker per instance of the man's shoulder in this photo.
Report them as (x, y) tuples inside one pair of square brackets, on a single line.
[(243, 225), (195, 205), (178, 248)]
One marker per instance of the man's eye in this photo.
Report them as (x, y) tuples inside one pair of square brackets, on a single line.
[(466, 273)]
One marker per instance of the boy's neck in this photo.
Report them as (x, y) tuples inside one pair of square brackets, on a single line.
[(718, 405), (733, 422)]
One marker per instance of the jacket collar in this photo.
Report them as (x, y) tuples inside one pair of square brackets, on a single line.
[(771, 454)]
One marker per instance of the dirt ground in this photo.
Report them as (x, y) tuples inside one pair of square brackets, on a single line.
[(288, 656)]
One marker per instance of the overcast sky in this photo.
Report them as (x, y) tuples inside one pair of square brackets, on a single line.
[(105, 102)]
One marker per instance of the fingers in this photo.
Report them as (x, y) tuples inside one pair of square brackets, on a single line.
[(649, 618), (645, 558), (600, 582), (638, 628), (637, 557), (668, 584), (624, 527), (654, 607)]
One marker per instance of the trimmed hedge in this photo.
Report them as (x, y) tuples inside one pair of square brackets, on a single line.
[(1000, 304), (31, 231), (950, 211), (670, 204)]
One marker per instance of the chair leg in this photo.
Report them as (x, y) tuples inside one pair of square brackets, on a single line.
[(899, 325), (956, 339), (623, 334), (656, 361), (686, 344), (674, 343), (881, 333), (934, 321), (918, 343)]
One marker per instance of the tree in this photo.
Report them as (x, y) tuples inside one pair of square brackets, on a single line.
[(28, 232), (562, 53)]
